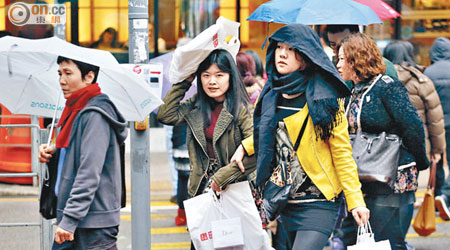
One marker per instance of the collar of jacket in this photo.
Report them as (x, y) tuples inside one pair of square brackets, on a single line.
[(196, 123), (414, 72)]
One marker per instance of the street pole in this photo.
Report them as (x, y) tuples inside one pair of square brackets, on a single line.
[(140, 147), (74, 22), (398, 20)]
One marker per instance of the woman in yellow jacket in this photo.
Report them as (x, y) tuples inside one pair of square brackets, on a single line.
[(304, 86)]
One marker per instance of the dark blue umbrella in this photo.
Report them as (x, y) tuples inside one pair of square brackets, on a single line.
[(314, 12)]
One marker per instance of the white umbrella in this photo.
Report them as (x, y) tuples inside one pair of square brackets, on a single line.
[(30, 85)]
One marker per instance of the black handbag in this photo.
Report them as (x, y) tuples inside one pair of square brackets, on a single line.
[(47, 199), (278, 187)]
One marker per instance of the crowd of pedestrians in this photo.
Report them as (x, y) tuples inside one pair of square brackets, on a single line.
[(246, 123)]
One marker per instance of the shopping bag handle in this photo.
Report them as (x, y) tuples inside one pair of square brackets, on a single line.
[(218, 201), (432, 179)]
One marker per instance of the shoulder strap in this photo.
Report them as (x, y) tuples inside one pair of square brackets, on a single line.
[(300, 135), (358, 118)]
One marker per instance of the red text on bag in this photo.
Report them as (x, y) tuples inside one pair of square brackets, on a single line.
[(215, 40)]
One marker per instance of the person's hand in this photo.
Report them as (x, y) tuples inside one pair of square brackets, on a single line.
[(45, 153), (191, 78), (62, 235), (215, 187), (436, 157), (238, 156), (361, 215)]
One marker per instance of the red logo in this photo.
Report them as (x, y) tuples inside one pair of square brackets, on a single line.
[(203, 237), (137, 69), (210, 235), (215, 40)]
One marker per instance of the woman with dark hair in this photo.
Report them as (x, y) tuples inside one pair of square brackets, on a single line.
[(247, 69), (218, 117), (386, 108), (107, 41), (424, 97), (302, 102)]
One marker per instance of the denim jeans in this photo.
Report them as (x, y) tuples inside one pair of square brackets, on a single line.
[(441, 186), (387, 222), (182, 194), (168, 130), (91, 239)]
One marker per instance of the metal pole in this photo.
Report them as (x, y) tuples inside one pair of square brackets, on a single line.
[(156, 28), (46, 225), (398, 20), (140, 147), (35, 138), (74, 22)]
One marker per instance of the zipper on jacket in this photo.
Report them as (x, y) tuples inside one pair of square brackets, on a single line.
[(227, 181), (317, 157), (205, 174)]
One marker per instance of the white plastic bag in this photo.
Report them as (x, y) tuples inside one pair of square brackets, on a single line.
[(236, 201), (366, 240), (186, 59)]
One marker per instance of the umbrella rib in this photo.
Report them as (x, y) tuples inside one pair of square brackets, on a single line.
[(134, 104)]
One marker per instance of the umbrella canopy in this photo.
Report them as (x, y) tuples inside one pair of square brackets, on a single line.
[(382, 9), (313, 12), (30, 82)]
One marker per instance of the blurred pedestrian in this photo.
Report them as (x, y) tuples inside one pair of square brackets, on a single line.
[(107, 40), (386, 109), (218, 117), (181, 160), (439, 73), (304, 90), (88, 184), (247, 69), (260, 73), (423, 96)]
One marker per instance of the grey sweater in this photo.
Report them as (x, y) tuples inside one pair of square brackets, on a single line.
[(90, 189)]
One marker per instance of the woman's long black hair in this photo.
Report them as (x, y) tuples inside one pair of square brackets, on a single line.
[(236, 97)]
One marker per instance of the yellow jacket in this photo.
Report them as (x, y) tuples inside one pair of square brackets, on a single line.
[(329, 165)]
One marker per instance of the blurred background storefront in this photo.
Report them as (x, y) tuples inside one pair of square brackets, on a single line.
[(421, 22)]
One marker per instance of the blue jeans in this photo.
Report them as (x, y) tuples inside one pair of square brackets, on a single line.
[(173, 172), (388, 223), (91, 239), (182, 194), (443, 187)]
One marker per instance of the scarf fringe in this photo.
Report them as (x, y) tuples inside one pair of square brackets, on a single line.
[(331, 117)]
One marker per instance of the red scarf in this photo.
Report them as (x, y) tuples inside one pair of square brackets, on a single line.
[(76, 102)]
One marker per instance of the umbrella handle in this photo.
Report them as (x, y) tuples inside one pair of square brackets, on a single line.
[(53, 122)]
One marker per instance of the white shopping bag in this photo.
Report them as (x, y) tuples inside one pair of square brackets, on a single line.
[(236, 202), (186, 59), (366, 240), (227, 233), (200, 211)]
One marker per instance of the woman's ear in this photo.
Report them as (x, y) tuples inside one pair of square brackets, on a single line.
[(89, 77)]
